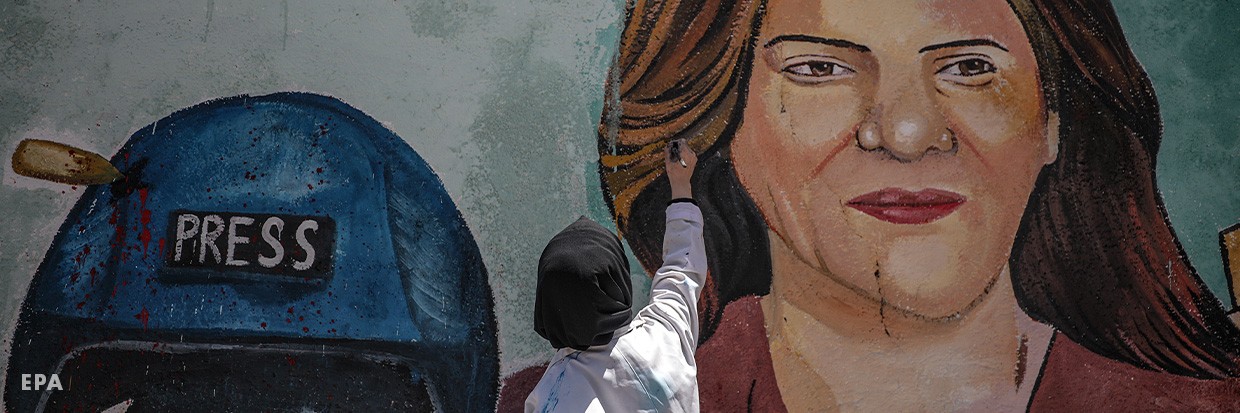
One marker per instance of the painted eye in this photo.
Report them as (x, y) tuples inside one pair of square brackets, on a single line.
[(816, 70), (970, 67), (971, 71)]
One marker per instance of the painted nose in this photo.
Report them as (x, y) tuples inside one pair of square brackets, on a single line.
[(906, 127)]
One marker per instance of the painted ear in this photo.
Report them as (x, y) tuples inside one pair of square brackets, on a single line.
[(1052, 136), (62, 163)]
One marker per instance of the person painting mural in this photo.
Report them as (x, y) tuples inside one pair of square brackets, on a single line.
[(608, 359), (938, 205)]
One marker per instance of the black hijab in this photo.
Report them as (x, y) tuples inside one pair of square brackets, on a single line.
[(584, 294)]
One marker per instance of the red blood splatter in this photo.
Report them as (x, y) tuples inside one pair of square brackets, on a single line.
[(292, 361), (143, 316), (263, 325), (81, 256), (145, 235), (118, 230), (290, 310), (305, 329)]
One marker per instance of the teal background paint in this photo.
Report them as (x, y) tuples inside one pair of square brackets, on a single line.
[(1191, 50), (501, 97)]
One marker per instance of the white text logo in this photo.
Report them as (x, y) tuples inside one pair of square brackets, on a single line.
[(41, 382)]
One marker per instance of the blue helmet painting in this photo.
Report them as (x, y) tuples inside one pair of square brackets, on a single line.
[(273, 253)]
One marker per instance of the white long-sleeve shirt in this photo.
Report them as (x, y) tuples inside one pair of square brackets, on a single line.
[(648, 366)]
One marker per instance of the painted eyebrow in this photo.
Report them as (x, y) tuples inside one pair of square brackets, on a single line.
[(816, 39), (963, 43)]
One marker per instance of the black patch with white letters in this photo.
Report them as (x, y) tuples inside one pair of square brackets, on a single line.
[(294, 245)]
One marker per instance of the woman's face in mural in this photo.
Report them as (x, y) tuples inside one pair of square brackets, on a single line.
[(892, 145)]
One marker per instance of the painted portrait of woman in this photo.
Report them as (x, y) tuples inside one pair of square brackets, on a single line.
[(916, 206)]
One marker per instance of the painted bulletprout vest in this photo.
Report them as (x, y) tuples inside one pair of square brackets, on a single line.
[(273, 253)]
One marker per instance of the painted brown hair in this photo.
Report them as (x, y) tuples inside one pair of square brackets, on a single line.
[(1095, 255)]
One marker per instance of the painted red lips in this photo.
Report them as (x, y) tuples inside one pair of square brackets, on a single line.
[(901, 206)]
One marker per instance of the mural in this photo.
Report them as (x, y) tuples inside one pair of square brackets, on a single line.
[(239, 261), (935, 205), (946, 206), (919, 192)]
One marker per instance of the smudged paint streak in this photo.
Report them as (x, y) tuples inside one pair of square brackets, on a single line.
[(210, 14), (553, 397)]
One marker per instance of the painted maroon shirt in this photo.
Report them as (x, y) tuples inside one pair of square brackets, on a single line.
[(735, 374)]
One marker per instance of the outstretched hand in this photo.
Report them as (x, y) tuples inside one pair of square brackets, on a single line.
[(680, 170)]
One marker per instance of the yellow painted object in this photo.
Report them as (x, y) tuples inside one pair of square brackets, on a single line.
[(62, 163)]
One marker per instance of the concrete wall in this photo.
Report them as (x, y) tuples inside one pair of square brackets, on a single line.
[(500, 97)]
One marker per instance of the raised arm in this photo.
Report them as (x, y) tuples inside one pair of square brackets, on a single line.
[(676, 286)]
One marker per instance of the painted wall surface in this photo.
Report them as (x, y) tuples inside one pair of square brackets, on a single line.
[(501, 100)]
